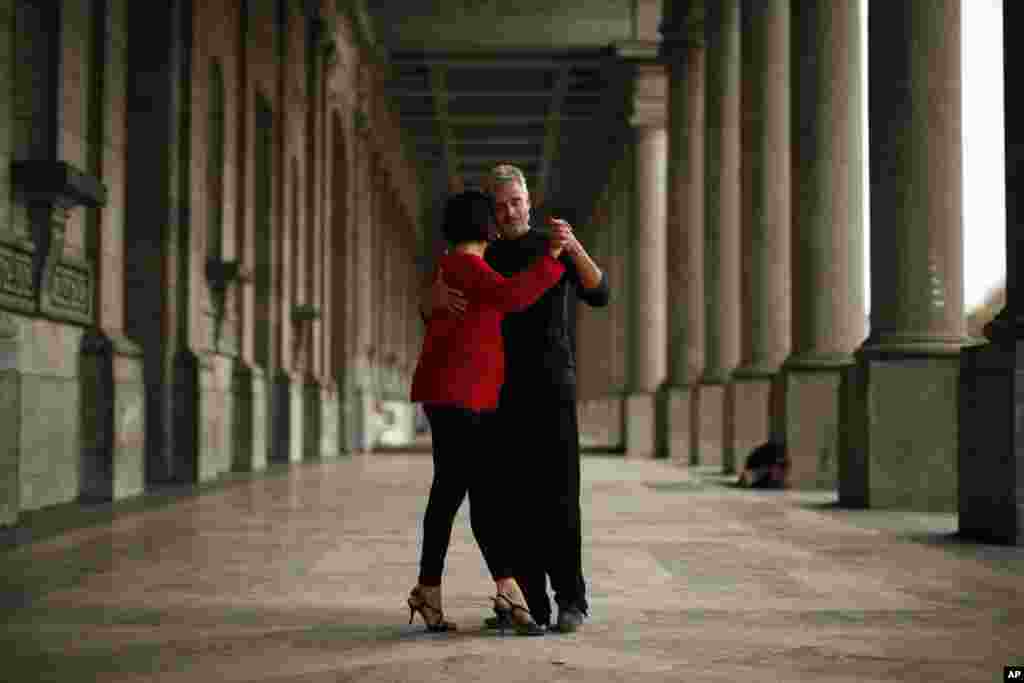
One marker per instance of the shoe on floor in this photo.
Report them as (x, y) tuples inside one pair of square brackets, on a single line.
[(498, 622), (569, 619), (504, 623)]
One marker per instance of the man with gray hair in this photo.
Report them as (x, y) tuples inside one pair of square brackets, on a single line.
[(537, 420)]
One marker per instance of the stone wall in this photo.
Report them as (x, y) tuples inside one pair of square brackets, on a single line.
[(191, 299)]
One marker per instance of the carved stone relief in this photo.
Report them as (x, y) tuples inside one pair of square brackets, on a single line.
[(36, 276)]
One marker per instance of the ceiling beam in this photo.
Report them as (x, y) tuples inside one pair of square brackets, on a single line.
[(496, 119), (497, 142), (491, 94), (588, 59), (551, 133), (486, 159), (497, 139), (438, 85)]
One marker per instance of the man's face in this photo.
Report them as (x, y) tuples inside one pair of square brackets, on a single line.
[(512, 207)]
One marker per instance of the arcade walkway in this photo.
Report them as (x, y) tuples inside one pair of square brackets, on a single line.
[(300, 575)]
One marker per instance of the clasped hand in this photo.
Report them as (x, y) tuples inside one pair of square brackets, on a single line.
[(445, 298)]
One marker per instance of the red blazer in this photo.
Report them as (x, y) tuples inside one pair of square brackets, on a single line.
[(463, 360)]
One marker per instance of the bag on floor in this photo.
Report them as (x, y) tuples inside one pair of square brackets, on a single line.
[(767, 467)]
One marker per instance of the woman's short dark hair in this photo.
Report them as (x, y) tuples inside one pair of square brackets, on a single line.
[(469, 217)]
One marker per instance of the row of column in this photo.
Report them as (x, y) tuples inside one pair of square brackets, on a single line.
[(751, 290), (381, 326)]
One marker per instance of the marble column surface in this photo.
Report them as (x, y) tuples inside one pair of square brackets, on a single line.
[(765, 226), (684, 52), (722, 193), (765, 183), (301, 576), (828, 289), (647, 350), (906, 384), (647, 362), (916, 178), (721, 231)]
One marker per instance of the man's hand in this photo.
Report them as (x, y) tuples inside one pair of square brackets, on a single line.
[(561, 234), (445, 298)]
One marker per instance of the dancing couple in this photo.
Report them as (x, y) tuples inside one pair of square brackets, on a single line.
[(496, 377)]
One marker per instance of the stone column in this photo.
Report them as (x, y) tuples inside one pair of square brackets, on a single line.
[(113, 391), (247, 401), (682, 48), (721, 230), (197, 388), (361, 379), (647, 270), (991, 454), (311, 267), (765, 201), (902, 442), (827, 247), (279, 383), (331, 306)]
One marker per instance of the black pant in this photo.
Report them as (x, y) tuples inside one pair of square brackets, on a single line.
[(464, 462), (540, 435)]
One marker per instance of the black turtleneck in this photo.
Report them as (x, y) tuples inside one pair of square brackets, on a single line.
[(540, 342)]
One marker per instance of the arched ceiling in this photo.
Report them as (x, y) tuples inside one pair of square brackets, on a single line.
[(476, 82)]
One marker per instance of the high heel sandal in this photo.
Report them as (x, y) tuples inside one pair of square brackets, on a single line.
[(515, 615), (418, 603)]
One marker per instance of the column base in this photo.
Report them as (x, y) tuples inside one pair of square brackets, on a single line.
[(220, 412), (286, 424), (311, 418), (113, 419), (248, 418), (899, 445), (678, 409), (330, 427), (347, 433), (709, 434), (10, 421), (811, 421), (396, 425), (748, 422), (195, 408), (600, 424), (359, 419), (990, 462), (44, 367), (639, 426)]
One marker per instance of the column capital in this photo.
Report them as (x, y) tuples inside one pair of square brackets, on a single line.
[(639, 85), (682, 27), (648, 96)]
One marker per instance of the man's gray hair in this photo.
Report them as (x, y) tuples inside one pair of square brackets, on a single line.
[(504, 173)]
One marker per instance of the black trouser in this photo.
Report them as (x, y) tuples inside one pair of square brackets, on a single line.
[(541, 435), (464, 462)]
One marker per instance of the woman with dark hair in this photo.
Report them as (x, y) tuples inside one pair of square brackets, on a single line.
[(459, 374)]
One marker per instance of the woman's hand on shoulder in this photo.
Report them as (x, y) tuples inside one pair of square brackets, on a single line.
[(445, 298)]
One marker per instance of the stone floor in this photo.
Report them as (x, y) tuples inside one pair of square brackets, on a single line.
[(300, 575)]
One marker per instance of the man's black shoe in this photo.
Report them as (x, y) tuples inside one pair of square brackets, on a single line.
[(569, 619), (499, 622), (503, 623)]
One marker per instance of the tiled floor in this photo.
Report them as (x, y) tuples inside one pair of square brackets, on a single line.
[(302, 576)]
